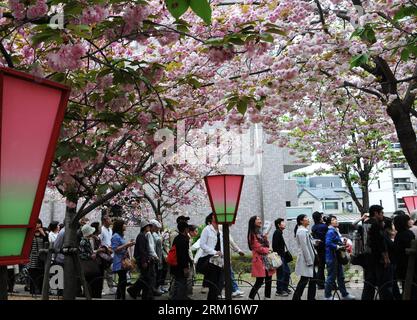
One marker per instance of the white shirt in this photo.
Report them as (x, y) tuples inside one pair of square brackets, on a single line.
[(52, 236), (105, 236), (208, 241)]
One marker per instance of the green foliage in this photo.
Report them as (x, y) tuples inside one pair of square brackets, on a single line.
[(405, 11), (202, 9), (359, 60), (177, 7), (241, 103), (366, 33)]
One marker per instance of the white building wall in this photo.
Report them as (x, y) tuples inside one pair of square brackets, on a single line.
[(384, 192)]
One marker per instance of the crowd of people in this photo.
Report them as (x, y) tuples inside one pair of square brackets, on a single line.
[(166, 262)]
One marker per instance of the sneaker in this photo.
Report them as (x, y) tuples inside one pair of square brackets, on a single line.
[(266, 298), (331, 298), (221, 297), (289, 291), (282, 293), (112, 290), (349, 297), (238, 293)]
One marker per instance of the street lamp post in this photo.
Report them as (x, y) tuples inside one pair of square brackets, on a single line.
[(31, 114), (224, 193)]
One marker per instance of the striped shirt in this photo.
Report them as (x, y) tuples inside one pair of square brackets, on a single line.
[(37, 244)]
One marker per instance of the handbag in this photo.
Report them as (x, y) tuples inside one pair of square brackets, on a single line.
[(342, 257), (128, 264), (217, 261), (202, 265), (287, 255), (274, 260)]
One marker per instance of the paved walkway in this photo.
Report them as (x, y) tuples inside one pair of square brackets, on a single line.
[(20, 294)]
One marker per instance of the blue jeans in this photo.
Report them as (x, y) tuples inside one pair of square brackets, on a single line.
[(283, 276), (235, 287), (335, 272)]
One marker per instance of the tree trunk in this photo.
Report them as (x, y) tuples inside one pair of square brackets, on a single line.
[(71, 278), (365, 197), (364, 206), (405, 132), (3, 282)]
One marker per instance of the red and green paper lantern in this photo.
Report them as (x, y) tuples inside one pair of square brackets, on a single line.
[(224, 194), (31, 114), (410, 203)]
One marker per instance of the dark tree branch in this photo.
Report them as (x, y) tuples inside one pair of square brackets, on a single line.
[(6, 56)]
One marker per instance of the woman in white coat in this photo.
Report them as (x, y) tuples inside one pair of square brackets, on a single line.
[(305, 259)]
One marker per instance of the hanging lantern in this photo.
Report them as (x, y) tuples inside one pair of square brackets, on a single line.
[(31, 114), (224, 194)]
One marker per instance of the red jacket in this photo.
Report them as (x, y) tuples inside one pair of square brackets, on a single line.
[(258, 250)]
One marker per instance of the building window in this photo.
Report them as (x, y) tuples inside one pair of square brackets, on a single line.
[(400, 203), (331, 205), (399, 166), (380, 203), (308, 203), (288, 203), (349, 206), (401, 184), (331, 184), (379, 184)]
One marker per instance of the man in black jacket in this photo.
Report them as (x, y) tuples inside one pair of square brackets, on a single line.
[(376, 256), (279, 246), (142, 258), (182, 270)]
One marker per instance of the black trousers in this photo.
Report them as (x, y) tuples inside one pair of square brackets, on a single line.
[(258, 284), (312, 287), (10, 280), (36, 280), (95, 284), (121, 285), (179, 288), (213, 280), (377, 276), (321, 266), (144, 283)]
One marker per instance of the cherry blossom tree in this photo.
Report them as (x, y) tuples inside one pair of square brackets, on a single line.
[(138, 66)]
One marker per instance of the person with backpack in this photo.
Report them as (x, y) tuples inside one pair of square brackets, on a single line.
[(318, 231), (143, 259), (335, 270), (376, 258), (181, 266)]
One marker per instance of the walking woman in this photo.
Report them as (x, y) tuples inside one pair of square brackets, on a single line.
[(119, 247), (36, 264), (305, 259), (260, 248), (335, 270)]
